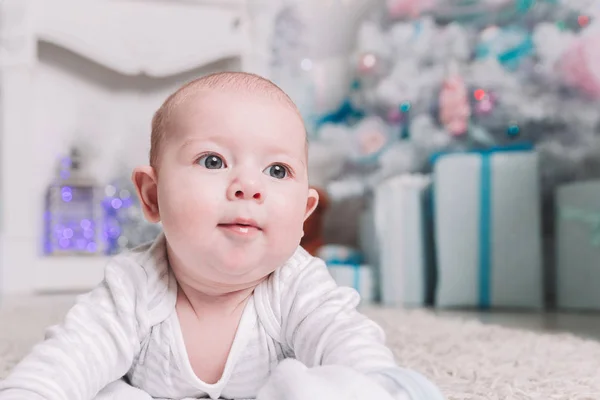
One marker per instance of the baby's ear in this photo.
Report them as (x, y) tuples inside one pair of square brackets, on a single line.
[(144, 179), (311, 202)]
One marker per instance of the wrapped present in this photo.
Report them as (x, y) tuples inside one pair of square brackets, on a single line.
[(396, 238), (346, 268), (578, 245), (488, 228)]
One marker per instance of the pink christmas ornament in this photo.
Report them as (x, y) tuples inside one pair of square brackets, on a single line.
[(580, 65), (394, 116), (485, 102), (367, 63), (409, 8), (454, 105)]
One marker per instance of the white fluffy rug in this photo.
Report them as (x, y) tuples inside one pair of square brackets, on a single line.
[(466, 359)]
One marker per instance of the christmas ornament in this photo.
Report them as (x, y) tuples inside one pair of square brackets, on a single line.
[(454, 103), (484, 102), (395, 116), (580, 65), (367, 63)]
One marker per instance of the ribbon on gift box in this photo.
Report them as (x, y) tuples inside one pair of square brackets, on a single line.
[(591, 218), (485, 198)]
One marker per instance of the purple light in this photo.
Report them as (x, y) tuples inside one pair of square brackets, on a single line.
[(88, 233), (114, 232), (116, 203), (68, 233), (67, 194), (81, 244), (86, 224), (64, 243), (66, 162), (92, 247)]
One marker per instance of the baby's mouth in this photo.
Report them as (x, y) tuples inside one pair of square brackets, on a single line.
[(241, 226)]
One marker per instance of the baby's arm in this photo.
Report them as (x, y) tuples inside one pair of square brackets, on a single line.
[(94, 346), (321, 325)]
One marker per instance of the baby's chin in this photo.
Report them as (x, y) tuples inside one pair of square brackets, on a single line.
[(241, 274), (227, 281)]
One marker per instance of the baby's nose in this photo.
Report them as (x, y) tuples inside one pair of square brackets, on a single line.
[(246, 195), (246, 189)]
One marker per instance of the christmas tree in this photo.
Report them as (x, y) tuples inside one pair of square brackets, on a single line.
[(440, 75)]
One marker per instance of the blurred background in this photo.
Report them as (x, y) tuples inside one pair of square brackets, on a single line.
[(455, 143)]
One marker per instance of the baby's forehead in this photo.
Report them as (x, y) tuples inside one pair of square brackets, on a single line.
[(179, 108), (197, 103), (195, 98), (188, 112)]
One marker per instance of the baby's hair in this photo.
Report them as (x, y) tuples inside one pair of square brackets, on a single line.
[(236, 81)]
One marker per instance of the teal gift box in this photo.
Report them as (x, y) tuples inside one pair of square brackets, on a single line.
[(488, 228), (346, 267), (395, 236), (578, 245)]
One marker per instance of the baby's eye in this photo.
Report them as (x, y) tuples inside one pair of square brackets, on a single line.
[(277, 171), (211, 161)]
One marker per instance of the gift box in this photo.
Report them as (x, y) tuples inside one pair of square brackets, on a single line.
[(395, 235), (346, 267), (488, 228), (578, 245)]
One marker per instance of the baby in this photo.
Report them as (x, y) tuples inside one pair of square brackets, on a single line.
[(213, 307)]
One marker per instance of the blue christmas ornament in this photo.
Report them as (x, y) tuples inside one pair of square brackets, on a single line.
[(513, 131)]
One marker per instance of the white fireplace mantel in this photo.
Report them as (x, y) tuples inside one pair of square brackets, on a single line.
[(101, 66)]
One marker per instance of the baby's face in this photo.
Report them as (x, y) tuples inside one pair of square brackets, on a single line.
[(233, 188)]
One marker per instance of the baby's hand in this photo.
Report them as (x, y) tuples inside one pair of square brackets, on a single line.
[(292, 380)]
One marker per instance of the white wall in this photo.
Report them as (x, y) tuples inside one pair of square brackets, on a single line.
[(66, 76)]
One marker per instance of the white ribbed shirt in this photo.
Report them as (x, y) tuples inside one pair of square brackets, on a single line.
[(128, 326)]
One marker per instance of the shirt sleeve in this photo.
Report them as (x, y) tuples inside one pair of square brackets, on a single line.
[(94, 345), (322, 326)]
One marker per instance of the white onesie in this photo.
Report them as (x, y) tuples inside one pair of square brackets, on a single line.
[(128, 327)]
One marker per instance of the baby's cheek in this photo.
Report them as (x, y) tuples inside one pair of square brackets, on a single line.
[(188, 215), (288, 222)]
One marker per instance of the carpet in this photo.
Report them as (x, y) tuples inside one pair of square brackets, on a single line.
[(467, 359)]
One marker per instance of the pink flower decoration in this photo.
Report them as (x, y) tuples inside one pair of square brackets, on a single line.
[(580, 65), (409, 8), (454, 106)]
